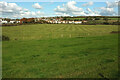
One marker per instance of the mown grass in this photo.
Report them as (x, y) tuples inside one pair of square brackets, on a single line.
[(46, 31), (75, 18), (113, 18), (89, 56)]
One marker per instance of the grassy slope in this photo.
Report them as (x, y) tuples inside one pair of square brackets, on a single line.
[(84, 57), (43, 31)]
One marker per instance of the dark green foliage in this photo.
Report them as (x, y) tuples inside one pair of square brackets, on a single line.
[(5, 38), (64, 19), (116, 23), (106, 19), (105, 23), (10, 24), (97, 18)]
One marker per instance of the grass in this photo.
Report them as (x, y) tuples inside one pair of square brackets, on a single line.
[(113, 18), (46, 31), (79, 56), (75, 18)]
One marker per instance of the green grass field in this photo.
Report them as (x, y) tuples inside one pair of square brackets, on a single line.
[(60, 51), (113, 18), (75, 18)]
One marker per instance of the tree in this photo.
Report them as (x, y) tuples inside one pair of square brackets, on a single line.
[(23, 20), (88, 18), (5, 38), (7, 19), (106, 19), (64, 19), (30, 20), (97, 18)]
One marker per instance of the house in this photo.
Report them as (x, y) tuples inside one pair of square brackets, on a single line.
[(4, 22), (59, 22), (70, 22), (56, 22), (37, 19), (12, 22), (17, 21), (63, 22), (77, 22), (84, 21)]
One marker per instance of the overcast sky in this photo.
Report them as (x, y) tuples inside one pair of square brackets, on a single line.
[(48, 9)]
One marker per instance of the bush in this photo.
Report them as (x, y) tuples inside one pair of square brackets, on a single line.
[(105, 23), (97, 18), (116, 23), (90, 23), (5, 38), (10, 24)]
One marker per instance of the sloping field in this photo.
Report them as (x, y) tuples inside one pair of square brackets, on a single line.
[(43, 31), (60, 51)]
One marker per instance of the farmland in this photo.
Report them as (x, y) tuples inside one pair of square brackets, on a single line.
[(44, 31), (60, 51)]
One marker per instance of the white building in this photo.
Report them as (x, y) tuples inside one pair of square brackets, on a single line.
[(56, 22), (17, 21), (63, 22), (59, 22), (71, 22), (78, 22), (4, 22), (12, 22)]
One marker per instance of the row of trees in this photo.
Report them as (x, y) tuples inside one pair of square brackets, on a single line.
[(96, 18), (101, 23), (86, 18), (27, 20), (31, 20)]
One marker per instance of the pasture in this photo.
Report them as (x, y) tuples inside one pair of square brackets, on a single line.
[(60, 51), (47, 31)]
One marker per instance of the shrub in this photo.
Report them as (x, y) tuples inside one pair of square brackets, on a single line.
[(5, 38), (10, 24), (116, 23), (105, 23)]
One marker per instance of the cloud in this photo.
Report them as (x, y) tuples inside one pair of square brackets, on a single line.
[(71, 6), (112, 4), (68, 8), (12, 10), (71, 9), (92, 13), (37, 6), (10, 7), (104, 11), (79, 13), (109, 9), (88, 4), (59, 9), (61, 14)]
